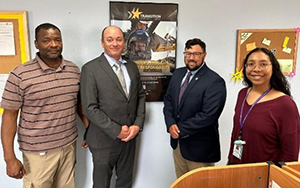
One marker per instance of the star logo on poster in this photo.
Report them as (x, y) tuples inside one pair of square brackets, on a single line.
[(134, 13)]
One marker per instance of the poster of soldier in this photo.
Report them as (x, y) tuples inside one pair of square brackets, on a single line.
[(150, 31)]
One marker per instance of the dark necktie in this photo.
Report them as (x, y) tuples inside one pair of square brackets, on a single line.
[(184, 86)]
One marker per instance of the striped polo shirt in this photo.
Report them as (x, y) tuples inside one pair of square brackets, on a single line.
[(48, 102)]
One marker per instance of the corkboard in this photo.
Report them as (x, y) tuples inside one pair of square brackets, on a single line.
[(283, 42), (19, 20)]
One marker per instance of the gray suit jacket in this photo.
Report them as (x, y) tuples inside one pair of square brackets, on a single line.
[(105, 104)]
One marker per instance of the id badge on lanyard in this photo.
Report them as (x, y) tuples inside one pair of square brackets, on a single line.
[(238, 148)]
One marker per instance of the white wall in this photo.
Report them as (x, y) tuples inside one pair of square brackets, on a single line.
[(215, 21)]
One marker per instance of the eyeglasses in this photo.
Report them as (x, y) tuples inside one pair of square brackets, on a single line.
[(260, 65), (195, 54)]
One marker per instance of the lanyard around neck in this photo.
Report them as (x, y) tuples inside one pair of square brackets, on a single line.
[(248, 112)]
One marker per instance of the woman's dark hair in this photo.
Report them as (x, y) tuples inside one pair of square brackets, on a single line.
[(278, 80)]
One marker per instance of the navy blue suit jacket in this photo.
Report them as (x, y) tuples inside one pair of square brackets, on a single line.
[(197, 115)]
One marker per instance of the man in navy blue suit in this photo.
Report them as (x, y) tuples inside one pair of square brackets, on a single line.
[(192, 106)]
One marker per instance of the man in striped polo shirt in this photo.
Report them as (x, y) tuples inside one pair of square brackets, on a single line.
[(45, 89)]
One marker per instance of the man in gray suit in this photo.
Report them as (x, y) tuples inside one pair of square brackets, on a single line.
[(116, 110)]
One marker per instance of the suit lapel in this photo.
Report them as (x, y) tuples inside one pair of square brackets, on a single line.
[(130, 73), (104, 64)]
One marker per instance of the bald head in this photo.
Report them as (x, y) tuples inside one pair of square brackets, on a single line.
[(109, 28), (113, 41)]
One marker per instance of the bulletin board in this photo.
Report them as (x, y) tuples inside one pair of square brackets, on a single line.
[(16, 38), (14, 46), (282, 42)]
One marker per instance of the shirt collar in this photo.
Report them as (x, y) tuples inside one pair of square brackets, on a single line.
[(45, 67), (195, 71), (112, 61)]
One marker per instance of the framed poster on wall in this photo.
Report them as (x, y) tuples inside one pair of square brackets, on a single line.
[(150, 31)]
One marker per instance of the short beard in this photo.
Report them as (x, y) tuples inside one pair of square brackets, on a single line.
[(192, 69)]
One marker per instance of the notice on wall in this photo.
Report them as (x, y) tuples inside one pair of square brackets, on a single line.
[(3, 78), (7, 43)]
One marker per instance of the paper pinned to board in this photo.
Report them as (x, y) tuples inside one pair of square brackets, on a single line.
[(3, 78), (286, 65), (7, 40), (266, 42), (250, 46), (285, 42), (287, 50), (245, 36)]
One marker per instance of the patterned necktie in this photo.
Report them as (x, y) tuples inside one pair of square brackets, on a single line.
[(184, 86), (120, 75)]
